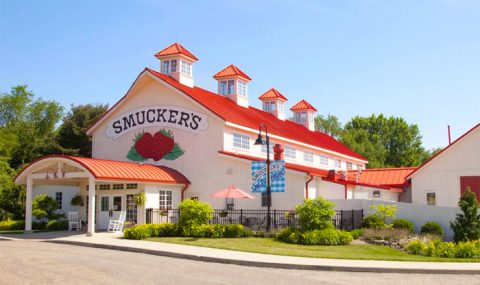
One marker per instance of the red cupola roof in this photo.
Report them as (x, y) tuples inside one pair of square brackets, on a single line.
[(176, 48), (231, 71), (272, 94), (303, 105)]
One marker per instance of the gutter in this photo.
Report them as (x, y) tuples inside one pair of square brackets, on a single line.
[(185, 186), (306, 186)]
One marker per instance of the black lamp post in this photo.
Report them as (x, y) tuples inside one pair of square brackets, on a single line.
[(260, 141)]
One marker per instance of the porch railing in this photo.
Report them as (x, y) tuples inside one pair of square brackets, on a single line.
[(257, 219)]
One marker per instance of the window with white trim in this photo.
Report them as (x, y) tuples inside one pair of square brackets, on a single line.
[(281, 106), (165, 200), (264, 147), (290, 152), (132, 186), (241, 141), (104, 187), (359, 166), (166, 66), (308, 156), (118, 186), (349, 166), (431, 200), (231, 87), (242, 88), (300, 117), (227, 87), (269, 106), (323, 160), (186, 67), (338, 163), (173, 65), (58, 199)]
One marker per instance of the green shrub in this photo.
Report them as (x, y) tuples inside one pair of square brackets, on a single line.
[(315, 214), (445, 249), (384, 212), (44, 207), (315, 237), (403, 224), (415, 247), (373, 222), (10, 225), (39, 225), (57, 225), (173, 230), (194, 213), (234, 231), (432, 228), (470, 249), (466, 226), (356, 234)]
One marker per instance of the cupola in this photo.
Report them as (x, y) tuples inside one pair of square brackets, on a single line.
[(274, 103), (233, 83), (303, 114), (177, 62)]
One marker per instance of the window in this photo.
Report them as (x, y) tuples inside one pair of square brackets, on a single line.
[(300, 117), (165, 201), (349, 166), (269, 106), (117, 203), (223, 87), (166, 66), (241, 141), (104, 187), (231, 87), (227, 87), (290, 152), (186, 67), (308, 156), (431, 199), (264, 147), (173, 67), (265, 199), (242, 88), (118, 186), (359, 166), (58, 198), (323, 160), (88, 186), (131, 209), (132, 186), (281, 106), (376, 194), (338, 163), (104, 204)]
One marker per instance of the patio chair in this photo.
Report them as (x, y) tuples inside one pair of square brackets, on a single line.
[(117, 225), (74, 221)]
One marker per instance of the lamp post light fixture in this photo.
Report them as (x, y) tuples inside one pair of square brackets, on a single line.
[(266, 142)]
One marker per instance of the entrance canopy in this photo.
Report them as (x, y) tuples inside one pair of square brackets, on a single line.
[(72, 167)]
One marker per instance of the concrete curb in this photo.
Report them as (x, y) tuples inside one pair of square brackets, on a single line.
[(267, 264)]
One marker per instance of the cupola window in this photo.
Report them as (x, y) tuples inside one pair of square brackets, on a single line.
[(166, 66), (186, 68), (242, 88)]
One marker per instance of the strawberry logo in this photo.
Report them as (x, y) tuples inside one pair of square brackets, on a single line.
[(161, 145)]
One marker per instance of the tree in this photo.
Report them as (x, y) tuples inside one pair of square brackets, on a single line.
[(72, 132), (12, 197), (330, 125), (467, 224), (399, 143), (44, 207), (27, 126)]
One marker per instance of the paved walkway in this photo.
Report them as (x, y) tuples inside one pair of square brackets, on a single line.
[(115, 241)]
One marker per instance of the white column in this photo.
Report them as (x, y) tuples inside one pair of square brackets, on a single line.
[(91, 207), (28, 204)]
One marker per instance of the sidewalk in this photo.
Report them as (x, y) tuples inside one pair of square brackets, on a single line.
[(114, 241)]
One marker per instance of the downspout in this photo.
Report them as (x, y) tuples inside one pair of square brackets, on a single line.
[(183, 191), (306, 186), (346, 190)]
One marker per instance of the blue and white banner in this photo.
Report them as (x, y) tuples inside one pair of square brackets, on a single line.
[(259, 176)]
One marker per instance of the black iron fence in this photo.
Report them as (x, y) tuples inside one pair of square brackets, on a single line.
[(257, 219)]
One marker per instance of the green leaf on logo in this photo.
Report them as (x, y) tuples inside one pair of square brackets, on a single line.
[(175, 153), (134, 156)]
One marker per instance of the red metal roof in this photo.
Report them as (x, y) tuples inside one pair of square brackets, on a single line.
[(103, 169), (231, 71), (272, 94), (393, 177), (176, 48), (303, 105), (252, 117), (440, 152)]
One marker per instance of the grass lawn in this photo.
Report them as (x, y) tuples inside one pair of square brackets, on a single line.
[(271, 246)]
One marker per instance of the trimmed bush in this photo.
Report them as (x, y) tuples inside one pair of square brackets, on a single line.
[(373, 222), (315, 214), (315, 237), (194, 213), (356, 234), (432, 228), (10, 225), (173, 230), (403, 224), (57, 225)]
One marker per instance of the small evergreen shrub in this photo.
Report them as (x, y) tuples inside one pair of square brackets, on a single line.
[(403, 224), (10, 225), (373, 222), (432, 228), (57, 225), (356, 234), (44, 207), (315, 237), (466, 226)]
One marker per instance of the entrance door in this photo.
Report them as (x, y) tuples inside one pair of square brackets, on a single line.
[(110, 207)]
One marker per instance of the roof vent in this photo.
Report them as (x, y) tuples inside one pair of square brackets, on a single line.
[(273, 102), (304, 114), (233, 83), (177, 62)]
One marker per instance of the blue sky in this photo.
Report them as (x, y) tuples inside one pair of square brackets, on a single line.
[(416, 59)]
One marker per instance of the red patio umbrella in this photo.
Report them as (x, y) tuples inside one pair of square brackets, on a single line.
[(232, 192)]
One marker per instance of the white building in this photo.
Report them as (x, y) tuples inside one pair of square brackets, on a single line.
[(173, 140), (442, 179)]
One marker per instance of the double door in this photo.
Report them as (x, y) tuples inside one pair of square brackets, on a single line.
[(110, 207)]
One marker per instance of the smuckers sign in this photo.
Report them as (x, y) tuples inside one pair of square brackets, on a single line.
[(154, 116)]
